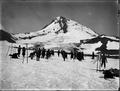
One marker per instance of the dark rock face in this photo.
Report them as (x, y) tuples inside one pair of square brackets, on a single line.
[(63, 24), (5, 36)]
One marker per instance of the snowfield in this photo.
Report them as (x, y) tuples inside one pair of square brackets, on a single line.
[(53, 73)]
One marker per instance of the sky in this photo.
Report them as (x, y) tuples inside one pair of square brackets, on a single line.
[(19, 16)]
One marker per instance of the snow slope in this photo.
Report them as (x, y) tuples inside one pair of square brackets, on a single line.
[(69, 30), (53, 74)]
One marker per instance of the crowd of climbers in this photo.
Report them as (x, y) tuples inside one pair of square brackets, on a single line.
[(47, 53)]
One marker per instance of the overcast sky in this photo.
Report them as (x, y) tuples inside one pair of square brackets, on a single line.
[(26, 16)]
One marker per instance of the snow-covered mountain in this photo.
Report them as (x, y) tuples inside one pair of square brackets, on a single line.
[(60, 30), (64, 33)]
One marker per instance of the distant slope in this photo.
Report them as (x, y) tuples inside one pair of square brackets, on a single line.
[(5, 36), (103, 39)]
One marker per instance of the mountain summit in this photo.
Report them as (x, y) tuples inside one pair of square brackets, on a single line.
[(63, 25), (60, 28)]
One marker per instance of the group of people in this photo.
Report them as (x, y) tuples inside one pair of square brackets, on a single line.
[(23, 51), (77, 55), (41, 53), (101, 60), (47, 53)]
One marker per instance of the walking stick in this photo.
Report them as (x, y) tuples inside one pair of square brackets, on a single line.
[(27, 51), (8, 50), (97, 66), (97, 69), (23, 60)]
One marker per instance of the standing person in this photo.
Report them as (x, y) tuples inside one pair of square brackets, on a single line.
[(38, 53), (79, 56), (63, 54), (23, 53), (98, 60), (71, 55), (75, 55), (103, 60), (58, 53), (66, 55), (82, 54), (52, 52), (19, 50), (48, 53), (93, 55), (43, 53)]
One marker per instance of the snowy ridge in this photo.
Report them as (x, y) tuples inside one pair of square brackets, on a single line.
[(112, 44), (111, 37)]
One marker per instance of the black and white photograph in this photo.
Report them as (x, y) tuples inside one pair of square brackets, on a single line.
[(59, 45)]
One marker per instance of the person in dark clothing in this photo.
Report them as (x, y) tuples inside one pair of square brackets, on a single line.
[(104, 60), (79, 56), (75, 55), (32, 54), (82, 54), (38, 53), (93, 55), (48, 54), (19, 50), (43, 53), (66, 55), (71, 55), (63, 54), (23, 51), (14, 55), (58, 53), (52, 52)]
